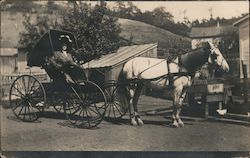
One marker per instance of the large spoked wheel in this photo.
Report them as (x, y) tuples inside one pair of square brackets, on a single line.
[(85, 107), (27, 98), (115, 106)]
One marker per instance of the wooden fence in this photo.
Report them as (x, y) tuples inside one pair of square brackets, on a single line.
[(7, 79)]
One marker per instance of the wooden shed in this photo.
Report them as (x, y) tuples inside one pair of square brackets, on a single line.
[(209, 34), (109, 66), (8, 60), (243, 25)]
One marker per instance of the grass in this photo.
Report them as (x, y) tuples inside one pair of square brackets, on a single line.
[(141, 33)]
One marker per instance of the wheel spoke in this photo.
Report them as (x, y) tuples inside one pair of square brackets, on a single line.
[(29, 112), (21, 110), (19, 91), (18, 104), (34, 101), (16, 95), (31, 87), (118, 109), (82, 118), (109, 109), (25, 110), (95, 111), (87, 118), (24, 84), (28, 85), (34, 92), (32, 110), (113, 110)]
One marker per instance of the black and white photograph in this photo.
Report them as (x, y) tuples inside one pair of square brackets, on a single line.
[(124, 79)]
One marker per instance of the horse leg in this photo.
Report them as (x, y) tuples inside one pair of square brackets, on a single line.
[(135, 103), (177, 107), (175, 122), (181, 99), (132, 118)]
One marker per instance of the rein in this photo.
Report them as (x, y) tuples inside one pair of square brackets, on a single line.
[(150, 67)]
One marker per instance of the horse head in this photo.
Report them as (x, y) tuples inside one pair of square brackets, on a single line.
[(216, 58)]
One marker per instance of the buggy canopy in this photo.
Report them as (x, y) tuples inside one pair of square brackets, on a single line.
[(47, 45)]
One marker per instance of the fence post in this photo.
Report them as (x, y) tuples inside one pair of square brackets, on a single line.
[(1, 87), (245, 88)]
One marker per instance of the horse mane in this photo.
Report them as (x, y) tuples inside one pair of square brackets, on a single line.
[(196, 58)]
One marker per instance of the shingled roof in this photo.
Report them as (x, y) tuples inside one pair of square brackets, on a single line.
[(213, 31), (245, 18), (120, 56)]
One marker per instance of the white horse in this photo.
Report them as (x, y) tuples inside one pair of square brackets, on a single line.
[(159, 73)]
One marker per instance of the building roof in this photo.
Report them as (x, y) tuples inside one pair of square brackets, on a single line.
[(213, 31), (121, 55), (8, 51), (245, 18)]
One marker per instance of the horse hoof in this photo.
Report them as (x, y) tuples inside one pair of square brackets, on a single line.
[(175, 124), (140, 122), (133, 122), (181, 124)]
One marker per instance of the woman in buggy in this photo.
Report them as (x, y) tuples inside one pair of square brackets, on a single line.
[(63, 64)]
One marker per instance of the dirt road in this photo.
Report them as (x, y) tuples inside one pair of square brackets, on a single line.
[(51, 134)]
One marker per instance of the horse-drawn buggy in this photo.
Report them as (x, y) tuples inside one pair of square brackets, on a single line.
[(83, 102)]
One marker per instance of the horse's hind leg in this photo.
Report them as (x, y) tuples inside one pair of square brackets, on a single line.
[(135, 103), (132, 118), (134, 94)]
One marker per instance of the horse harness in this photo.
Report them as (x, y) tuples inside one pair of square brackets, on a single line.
[(173, 76)]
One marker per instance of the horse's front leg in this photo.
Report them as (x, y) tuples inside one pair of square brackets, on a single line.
[(180, 103), (180, 89), (176, 106)]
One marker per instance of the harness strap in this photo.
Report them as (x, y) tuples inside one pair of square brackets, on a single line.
[(169, 75)]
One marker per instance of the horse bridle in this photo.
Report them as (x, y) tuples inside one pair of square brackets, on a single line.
[(212, 55)]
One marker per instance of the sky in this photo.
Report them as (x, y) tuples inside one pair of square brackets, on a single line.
[(194, 9), (197, 9)]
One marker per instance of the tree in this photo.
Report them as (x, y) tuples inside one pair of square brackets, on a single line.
[(17, 5), (96, 32), (162, 17), (34, 30), (229, 44)]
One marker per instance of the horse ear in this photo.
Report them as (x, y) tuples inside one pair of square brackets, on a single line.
[(207, 47), (209, 60)]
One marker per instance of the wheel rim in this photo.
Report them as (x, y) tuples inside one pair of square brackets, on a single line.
[(27, 98), (58, 105), (85, 108), (115, 109)]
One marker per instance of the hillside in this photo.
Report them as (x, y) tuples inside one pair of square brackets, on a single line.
[(137, 32), (141, 33)]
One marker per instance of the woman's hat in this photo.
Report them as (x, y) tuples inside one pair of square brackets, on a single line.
[(65, 38)]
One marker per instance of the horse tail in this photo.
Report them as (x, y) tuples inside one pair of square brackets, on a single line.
[(122, 90)]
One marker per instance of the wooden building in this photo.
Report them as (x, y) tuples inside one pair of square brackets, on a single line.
[(243, 25), (109, 66), (8, 60), (208, 34)]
